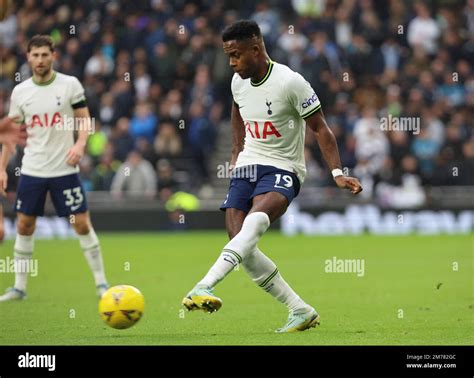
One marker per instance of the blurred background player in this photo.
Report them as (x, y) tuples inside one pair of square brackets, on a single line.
[(272, 106), (10, 135), (47, 103), (2, 224)]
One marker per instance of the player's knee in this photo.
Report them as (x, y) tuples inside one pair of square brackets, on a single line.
[(232, 231), (234, 218), (25, 226), (257, 221), (81, 223), (255, 224), (82, 226)]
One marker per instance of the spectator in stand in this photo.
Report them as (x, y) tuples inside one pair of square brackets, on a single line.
[(371, 148), (134, 178), (104, 172), (141, 82), (451, 91), (144, 122), (406, 59), (122, 139), (146, 149), (99, 64), (425, 149), (107, 109), (423, 31), (167, 142), (202, 135), (165, 176)]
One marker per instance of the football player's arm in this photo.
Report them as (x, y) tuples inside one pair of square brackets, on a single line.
[(238, 133), (4, 158), (2, 226), (12, 130), (83, 121), (11, 134), (327, 144)]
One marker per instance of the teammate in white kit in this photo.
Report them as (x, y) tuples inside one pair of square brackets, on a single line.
[(272, 105), (50, 104)]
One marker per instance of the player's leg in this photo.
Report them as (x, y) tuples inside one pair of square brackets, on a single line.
[(273, 193), (90, 245), (234, 219), (237, 200), (257, 265), (236, 250), (253, 227), (266, 275), (260, 268), (245, 231), (2, 224), (69, 199), (31, 197), (22, 255), (201, 297)]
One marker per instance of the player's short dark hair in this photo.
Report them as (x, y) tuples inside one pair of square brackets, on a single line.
[(40, 40), (240, 30)]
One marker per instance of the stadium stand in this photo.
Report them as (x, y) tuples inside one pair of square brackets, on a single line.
[(158, 86)]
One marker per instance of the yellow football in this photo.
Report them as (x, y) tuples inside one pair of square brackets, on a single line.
[(121, 306)]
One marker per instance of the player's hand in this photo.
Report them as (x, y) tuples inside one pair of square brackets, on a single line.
[(350, 183), (75, 154), (3, 183), (11, 133)]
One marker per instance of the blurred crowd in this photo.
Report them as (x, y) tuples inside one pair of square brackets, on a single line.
[(158, 84)]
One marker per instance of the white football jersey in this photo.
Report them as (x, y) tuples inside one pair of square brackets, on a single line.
[(47, 111), (273, 112)]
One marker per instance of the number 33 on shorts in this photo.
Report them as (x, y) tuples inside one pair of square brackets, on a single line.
[(73, 198)]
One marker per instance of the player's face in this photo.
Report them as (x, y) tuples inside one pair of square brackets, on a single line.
[(242, 57), (41, 60)]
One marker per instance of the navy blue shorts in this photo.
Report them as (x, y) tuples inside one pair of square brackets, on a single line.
[(252, 180), (66, 192)]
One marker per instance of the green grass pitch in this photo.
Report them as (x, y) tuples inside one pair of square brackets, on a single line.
[(411, 293)]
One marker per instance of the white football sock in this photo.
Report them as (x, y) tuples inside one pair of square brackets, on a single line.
[(255, 224), (90, 245), (264, 273), (23, 251)]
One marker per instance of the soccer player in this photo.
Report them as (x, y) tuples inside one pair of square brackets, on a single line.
[(10, 135), (271, 106), (47, 103)]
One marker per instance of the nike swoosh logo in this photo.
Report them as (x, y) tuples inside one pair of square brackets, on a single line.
[(74, 208), (234, 263), (240, 107), (280, 187)]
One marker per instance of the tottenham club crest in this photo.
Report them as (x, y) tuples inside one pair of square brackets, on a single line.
[(269, 111)]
